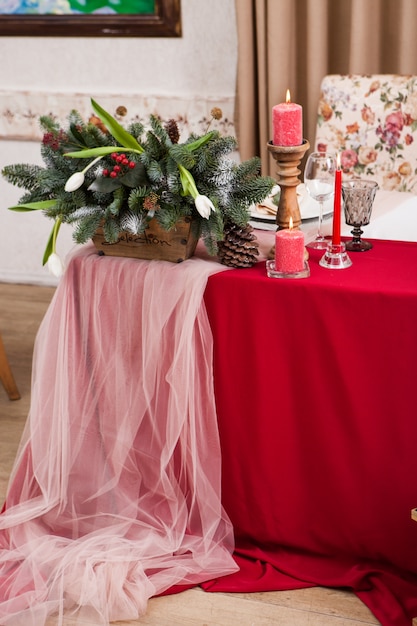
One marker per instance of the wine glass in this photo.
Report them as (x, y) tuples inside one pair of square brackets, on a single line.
[(358, 198), (319, 175)]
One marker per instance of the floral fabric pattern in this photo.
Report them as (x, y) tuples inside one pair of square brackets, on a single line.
[(371, 121)]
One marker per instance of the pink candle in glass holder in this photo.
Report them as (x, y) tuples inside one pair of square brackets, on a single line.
[(287, 121), (289, 250)]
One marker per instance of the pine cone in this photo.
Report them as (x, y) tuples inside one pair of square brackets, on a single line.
[(239, 247), (172, 130)]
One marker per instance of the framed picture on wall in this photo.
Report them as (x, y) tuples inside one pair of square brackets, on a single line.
[(90, 18)]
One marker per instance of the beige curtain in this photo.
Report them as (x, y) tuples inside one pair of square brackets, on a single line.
[(293, 44)]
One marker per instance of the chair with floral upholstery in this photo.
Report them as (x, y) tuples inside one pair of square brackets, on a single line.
[(372, 122)]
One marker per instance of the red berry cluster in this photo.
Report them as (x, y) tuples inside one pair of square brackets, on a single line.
[(122, 164), (54, 139)]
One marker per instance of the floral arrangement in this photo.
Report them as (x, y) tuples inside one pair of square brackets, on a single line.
[(134, 174), (372, 122)]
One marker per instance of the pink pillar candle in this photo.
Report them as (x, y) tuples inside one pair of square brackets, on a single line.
[(287, 121), (289, 251)]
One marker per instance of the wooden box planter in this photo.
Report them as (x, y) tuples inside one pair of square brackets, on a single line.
[(174, 245)]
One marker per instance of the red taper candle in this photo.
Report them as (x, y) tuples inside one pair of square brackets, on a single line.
[(337, 206)]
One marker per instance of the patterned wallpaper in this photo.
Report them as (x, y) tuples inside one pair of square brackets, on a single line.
[(20, 111)]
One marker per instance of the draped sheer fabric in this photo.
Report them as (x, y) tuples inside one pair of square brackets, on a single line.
[(115, 492)]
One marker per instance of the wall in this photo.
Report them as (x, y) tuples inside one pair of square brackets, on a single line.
[(174, 77)]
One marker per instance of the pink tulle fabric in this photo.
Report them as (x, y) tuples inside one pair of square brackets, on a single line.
[(115, 492)]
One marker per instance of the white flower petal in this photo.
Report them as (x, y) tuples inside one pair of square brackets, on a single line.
[(74, 182), (204, 206), (55, 265)]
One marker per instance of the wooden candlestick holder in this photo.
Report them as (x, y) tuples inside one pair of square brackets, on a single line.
[(288, 159)]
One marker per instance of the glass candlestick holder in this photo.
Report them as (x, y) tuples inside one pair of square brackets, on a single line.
[(335, 257), (272, 271)]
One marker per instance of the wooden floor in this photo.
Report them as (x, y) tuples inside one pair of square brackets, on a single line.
[(21, 310)]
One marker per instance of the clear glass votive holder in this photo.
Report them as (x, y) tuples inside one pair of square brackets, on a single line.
[(274, 273), (335, 257)]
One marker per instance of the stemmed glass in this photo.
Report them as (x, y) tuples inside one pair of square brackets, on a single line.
[(319, 175), (358, 198)]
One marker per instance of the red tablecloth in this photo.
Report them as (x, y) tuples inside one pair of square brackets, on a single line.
[(316, 383)]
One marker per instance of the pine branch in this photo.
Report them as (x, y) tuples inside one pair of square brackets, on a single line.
[(111, 229), (23, 175), (85, 228), (136, 197), (160, 131), (173, 176), (182, 156), (117, 205), (136, 129), (49, 124), (253, 190), (236, 212), (153, 146), (212, 232), (155, 172), (169, 214)]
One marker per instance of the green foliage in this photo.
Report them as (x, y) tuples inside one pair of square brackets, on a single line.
[(182, 155), (156, 176), (49, 124), (136, 129), (111, 230), (87, 226), (23, 175)]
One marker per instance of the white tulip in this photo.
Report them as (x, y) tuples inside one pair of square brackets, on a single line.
[(204, 206), (75, 181), (55, 265)]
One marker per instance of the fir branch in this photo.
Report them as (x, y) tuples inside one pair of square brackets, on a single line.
[(111, 230), (169, 214), (254, 190), (212, 232), (173, 178), (236, 212), (75, 120), (83, 212), (160, 131), (135, 199), (136, 129), (182, 155), (49, 124), (34, 196), (94, 137), (153, 147), (23, 175), (86, 227), (248, 169), (155, 172), (116, 206), (52, 180)]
